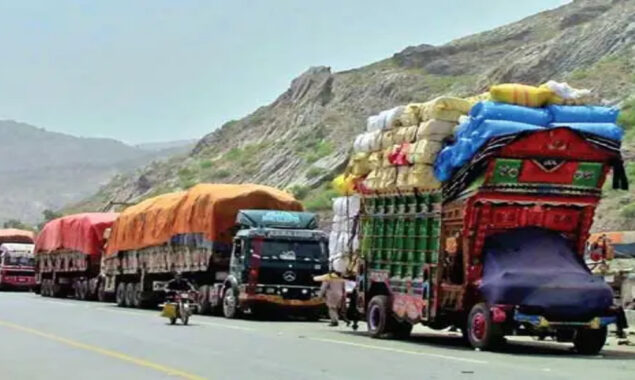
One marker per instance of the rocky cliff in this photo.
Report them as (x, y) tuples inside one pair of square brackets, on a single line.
[(304, 136)]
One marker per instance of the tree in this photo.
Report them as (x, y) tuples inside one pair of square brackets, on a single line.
[(15, 223), (48, 215)]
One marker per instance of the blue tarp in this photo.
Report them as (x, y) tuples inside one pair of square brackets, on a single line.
[(538, 269), (489, 119)]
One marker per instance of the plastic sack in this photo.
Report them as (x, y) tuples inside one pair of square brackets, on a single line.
[(376, 123), (359, 165), (387, 178), (367, 142), (387, 139), (520, 94), (399, 155), (385, 162), (371, 182), (423, 152), (435, 130), (392, 116), (403, 173), (346, 207), (411, 115), (405, 134), (583, 114), (333, 236), (607, 130), (502, 111), (565, 94), (340, 263), (343, 184), (422, 176), (494, 128), (375, 160), (444, 108), (443, 168)]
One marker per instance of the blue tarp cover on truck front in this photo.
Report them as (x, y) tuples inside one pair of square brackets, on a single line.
[(538, 269)]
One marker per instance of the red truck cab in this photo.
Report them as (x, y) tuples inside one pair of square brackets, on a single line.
[(17, 266)]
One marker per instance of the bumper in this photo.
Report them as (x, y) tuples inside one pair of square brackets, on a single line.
[(540, 322), (251, 299), (18, 282)]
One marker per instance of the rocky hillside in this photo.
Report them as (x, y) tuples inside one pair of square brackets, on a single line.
[(42, 170), (303, 138)]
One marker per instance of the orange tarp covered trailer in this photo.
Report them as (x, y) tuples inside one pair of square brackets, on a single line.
[(13, 235), (208, 209)]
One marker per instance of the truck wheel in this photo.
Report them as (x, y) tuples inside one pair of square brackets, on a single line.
[(101, 291), (203, 300), (377, 316), (83, 290), (230, 304), (482, 332), (120, 295), (590, 341), (56, 290), (130, 294), (44, 291)]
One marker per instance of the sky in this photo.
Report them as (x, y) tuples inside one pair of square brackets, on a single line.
[(160, 70)]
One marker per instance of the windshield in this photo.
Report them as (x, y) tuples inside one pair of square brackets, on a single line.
[(292, 250), (19, 260)]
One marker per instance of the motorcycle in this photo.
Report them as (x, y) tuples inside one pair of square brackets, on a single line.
[(180, 306)]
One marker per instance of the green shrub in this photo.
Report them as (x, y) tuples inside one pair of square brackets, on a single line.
[(320, 199), (314, 171), (299, 192), (628, 211), (205, 164), (221, 173)]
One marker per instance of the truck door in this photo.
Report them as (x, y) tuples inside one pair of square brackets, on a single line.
[(237, 261)]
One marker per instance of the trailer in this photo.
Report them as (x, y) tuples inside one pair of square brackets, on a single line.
[(498, 250), (245, 247), (68, 256)]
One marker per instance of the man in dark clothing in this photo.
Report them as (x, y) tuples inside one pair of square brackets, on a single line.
[(178, 284)]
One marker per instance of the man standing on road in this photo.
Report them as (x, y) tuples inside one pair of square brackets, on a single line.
[(334, 290)]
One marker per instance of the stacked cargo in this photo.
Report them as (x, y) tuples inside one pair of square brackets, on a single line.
[(343, 238)]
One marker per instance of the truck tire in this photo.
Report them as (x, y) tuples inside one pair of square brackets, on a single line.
[(203, 300), (56, 290), (44, 288), (82, 290), (230, 304), (378, 316), (130, 294), (101, 291), (482, 332), (120, 294), (589, 341)]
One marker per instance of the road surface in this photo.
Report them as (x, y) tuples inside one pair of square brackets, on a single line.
[(53, 339)]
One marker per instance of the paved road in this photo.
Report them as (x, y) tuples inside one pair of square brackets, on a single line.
[(44, 338)]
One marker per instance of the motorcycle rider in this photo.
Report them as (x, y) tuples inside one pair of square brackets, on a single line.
[(178, 284)]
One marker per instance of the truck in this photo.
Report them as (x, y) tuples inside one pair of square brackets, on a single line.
[(16, 260), (68, 256), (497, 250), (246, 248), (611, 255)]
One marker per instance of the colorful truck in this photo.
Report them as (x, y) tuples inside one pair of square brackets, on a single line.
[(245, 247), (612, 255), (68, 256), (497, 256), (16, 259)]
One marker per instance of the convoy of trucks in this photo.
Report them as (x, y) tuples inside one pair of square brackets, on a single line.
[(498, 248), (16, 259)]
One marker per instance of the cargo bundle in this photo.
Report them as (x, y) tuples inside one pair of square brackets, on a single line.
[(448, 190)]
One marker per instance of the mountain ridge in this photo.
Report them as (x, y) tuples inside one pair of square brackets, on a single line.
[(303, 138)]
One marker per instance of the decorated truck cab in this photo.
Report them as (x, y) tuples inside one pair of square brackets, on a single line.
[(499, 250), (275, 256)]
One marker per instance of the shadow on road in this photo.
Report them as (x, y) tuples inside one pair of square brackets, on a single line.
[(454, 341)]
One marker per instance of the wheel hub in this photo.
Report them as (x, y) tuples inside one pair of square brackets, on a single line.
[(374, 317), (478, 326)]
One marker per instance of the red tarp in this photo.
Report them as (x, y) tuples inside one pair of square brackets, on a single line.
[(13, 235), (80, 232)]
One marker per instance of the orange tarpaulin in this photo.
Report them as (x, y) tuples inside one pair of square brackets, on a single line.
[(13, 235), (80, 232), (209, 209)]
